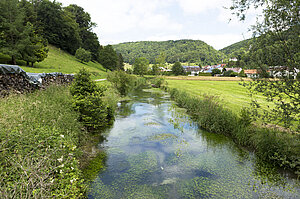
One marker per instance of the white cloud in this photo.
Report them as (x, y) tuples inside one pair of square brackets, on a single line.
[(135, 20), (199, 6)]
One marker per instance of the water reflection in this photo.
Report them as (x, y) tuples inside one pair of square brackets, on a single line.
[(154, 150)]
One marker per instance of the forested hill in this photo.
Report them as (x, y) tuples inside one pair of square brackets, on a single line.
[(236, 47), (193, 51)]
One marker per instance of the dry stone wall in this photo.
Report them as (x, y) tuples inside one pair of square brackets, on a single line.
[(14, 79)]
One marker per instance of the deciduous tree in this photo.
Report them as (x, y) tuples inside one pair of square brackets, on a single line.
[(277, 44), (177, 69), (140, 66)]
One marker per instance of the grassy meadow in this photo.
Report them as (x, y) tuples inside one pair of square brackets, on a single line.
[(60, 61), (39, 140), (230, 93)]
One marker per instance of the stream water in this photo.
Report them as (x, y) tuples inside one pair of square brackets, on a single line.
[(154, 150)]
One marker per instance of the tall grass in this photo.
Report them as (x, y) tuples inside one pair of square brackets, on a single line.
[(279, 148), (39, 139)]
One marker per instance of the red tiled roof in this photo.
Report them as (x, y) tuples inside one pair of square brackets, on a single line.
[(250, 71)]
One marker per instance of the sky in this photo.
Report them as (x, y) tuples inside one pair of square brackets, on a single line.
[(121, 21)]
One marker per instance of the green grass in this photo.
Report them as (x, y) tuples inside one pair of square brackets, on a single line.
[(230, 93), (278, 147), (60, 61), (39, 133)]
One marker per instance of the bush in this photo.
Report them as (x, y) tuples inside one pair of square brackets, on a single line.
[(215, 71), (83, 55), (94, 112), (122, 81), (159, 82)]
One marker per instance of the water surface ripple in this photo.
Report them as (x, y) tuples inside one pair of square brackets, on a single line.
[(154, 150)]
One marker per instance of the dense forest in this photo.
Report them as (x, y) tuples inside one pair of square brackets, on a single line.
[(27, 27), (236, 47), (193, 51)]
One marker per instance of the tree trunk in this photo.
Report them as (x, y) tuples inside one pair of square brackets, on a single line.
[(27, 63), (13, 60)]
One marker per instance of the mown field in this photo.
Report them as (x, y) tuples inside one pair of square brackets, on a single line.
[(230, 93), (60, 61)]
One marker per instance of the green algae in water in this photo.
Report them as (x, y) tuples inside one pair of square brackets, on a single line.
[(143, 161), (163, 136), (152, 124)]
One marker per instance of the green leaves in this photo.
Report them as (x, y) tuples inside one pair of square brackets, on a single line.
[(94, 112), (177, 69), (140, 66), (83, 55)]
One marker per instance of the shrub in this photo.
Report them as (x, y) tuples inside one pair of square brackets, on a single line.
[(215, 71), (122, 81), (83, 55), (94, 112), (158, 82)]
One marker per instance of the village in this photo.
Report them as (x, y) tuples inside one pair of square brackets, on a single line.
[(219, 70)]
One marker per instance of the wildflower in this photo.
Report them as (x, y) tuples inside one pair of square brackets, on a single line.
[(62, 136), (60, 159)]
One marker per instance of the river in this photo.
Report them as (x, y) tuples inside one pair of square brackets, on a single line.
[(155, 150)]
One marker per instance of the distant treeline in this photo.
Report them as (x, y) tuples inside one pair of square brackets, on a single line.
[(26, 28), (193, 51)]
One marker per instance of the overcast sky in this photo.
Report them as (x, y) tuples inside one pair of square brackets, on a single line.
[(160, 20)]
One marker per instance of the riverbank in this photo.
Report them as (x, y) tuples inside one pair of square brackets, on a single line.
[(44, 148), (279, 148), (40, 137)]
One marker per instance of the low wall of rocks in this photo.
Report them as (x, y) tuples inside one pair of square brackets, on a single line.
[(14, 79)]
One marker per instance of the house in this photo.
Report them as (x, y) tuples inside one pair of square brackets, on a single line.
[(282, 71), (236, 70), (251, 73), (208, 69), (162, 69), (191, 68)]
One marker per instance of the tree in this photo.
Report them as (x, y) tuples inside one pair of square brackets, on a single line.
[(215, 71), (177, 69), (33, 48), (83, 55), (161, 60), (140, 66), (277, 43), (120, 65), (11, 28), (58, 26), (242, 73), (18, 35), (155, 69), (89, 39), (108, 58)]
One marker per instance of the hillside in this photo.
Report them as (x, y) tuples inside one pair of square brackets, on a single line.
[(193, 51), (236, 47), (61, 61)]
